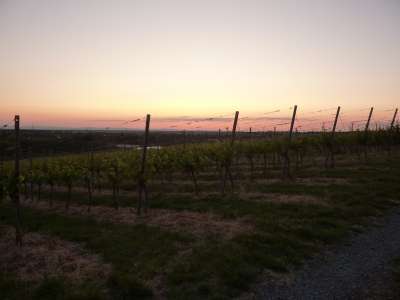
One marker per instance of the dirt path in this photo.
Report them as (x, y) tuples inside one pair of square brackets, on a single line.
[(357, 269)]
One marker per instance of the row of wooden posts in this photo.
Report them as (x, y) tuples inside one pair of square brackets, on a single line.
[(142, 188)]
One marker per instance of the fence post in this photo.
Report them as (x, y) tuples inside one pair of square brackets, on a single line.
[(18, 232), (2, 191), (335, 122), (366, 133), (332, 150), (142, 179), (184, 139), (286, 162), (234, 127), (394, 119), (31, 191), (228, 162), (369, 119), (90, 178), (292, 123)]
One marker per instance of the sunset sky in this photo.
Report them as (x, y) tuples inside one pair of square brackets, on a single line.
[(102, 63)]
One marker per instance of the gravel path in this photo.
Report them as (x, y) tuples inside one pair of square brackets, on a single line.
[(358, 269)]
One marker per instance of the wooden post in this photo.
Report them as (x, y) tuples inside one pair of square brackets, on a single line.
[(392, 142), (335, 122), (292, 123), (234, 127), (144, 150), (228, 163), (234, 137), (369, 119), (394, 119), (184, 139), (366, 133), (91, 177), (31, 188), (285, 154), (15, 194), (331, 146), (142, 179), (2, 188)]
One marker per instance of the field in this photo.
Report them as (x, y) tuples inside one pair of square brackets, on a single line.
[(214, 219)]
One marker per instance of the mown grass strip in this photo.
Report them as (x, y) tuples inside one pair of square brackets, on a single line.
[(137, 252), (285, 235)]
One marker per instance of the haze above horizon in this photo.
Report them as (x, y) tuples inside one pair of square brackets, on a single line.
[(191, 64)]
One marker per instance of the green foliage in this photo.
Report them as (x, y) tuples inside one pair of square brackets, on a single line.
[(284, 235), (116, 167)]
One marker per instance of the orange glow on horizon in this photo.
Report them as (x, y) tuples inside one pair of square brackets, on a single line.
[(118, 62)]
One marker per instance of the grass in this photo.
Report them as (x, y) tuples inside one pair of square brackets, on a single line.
[(49, 289), (285, 234), (136, 252), (396, 276)]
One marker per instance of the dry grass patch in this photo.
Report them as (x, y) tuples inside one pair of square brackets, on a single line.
[(195, 223), (44, 256), (322, 181), (283, 198)]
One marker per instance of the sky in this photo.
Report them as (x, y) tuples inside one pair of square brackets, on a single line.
[(192, 64)]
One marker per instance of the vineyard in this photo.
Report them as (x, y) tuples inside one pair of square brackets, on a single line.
[(201, 150), (200, 220), (218, 162)]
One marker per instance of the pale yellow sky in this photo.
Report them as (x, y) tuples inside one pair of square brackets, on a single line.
[(67, 63)]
